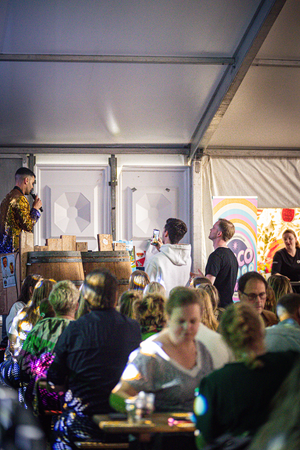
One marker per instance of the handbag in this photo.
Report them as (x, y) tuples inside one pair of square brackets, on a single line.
[(10, 373)]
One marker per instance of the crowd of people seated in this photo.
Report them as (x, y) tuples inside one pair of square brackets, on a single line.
[(84, 352)]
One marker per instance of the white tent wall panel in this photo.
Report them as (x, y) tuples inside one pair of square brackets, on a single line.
[(148, 196), (163, 176), (275, 181)]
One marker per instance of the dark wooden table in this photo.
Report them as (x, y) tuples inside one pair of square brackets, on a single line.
[(159, 423)]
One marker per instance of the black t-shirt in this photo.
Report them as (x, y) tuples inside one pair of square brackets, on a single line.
[(287, 265), (92, 353), (223, 265), (238, 398)]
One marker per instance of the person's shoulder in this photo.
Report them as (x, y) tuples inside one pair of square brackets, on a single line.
[(154, 260), (282, 358), (131, 322), (269, 318), (222, 375), (225, 252), (214, 255), (203, 330), (280, 252), (204, 351)]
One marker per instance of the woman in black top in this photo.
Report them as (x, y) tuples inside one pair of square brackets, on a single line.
[(236, 398), (287, 260)]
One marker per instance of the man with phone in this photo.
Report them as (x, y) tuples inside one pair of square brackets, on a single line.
[(171, 266)]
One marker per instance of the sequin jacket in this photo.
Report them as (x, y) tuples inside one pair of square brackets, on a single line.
[(15, 216)]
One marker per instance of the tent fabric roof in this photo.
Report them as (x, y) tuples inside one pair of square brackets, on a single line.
[(149, 103)]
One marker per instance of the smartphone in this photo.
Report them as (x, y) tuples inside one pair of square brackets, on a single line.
[(155, 236)]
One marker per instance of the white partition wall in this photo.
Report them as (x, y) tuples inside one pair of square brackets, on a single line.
[(148, 196), (75, 201)]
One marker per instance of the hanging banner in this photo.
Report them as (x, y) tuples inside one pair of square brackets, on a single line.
[(242, 211)]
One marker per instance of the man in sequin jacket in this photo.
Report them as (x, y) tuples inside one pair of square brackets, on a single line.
[(15, 212)]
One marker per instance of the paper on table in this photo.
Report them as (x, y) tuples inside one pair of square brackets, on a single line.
[(115, 424)]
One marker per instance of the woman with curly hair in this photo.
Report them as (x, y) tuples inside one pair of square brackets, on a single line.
[(126, 301), (150, 314), (236, 398)]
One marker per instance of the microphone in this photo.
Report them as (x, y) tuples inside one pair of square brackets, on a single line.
[(34, 197)]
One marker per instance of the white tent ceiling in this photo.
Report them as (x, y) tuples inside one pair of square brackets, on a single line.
[(140, 75)]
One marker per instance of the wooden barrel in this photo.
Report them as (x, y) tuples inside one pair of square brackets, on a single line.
[(118, 263), (56, 265)]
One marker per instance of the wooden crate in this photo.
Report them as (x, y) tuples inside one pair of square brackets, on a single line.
[(68, 243), (54, 245), (81, 246), (105, 242)]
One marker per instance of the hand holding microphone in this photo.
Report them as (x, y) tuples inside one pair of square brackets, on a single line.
[(37, 204)]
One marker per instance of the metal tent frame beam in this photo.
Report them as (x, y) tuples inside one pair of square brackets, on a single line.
[(117, 59), (250, 152), (272, 62), (157, 149), (248, 48)]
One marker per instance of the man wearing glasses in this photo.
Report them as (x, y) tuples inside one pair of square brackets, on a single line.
[(252, 288)]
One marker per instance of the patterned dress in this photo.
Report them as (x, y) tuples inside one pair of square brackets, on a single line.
[(15, 216), (35, 358)]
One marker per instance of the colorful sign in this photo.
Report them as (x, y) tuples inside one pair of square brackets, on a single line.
[(8, 270), (271, 223), (242, 211)]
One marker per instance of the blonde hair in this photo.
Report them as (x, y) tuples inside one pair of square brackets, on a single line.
[(138, 280), (126, 300), (64, 297), (155, 287), (227, 228), (197, 281), (242, 329), (207, 315), (213, 294), (31, 313), (150, 312), (280, 285), (270, 304)]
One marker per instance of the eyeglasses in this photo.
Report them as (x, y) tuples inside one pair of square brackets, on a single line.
[(253, 297)]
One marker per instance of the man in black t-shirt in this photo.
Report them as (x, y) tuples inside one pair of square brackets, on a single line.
[(222, 265)]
